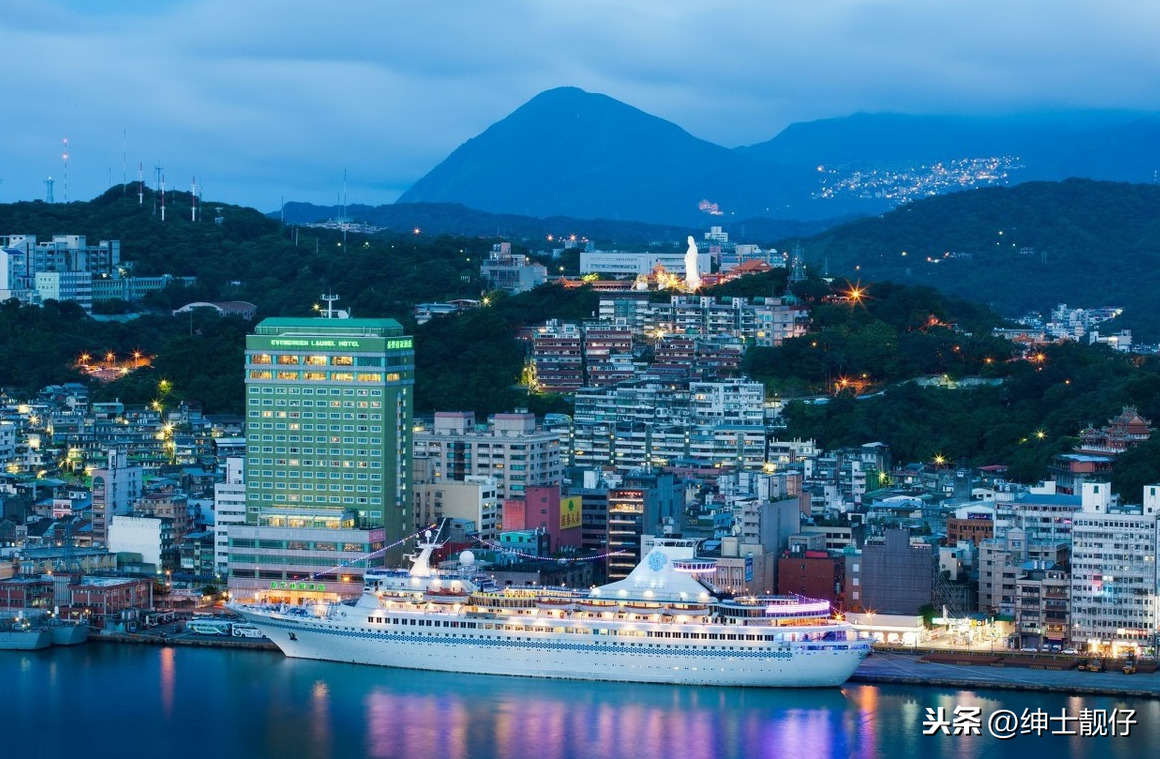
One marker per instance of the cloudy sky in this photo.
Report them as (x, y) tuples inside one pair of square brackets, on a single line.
[(266, 100)]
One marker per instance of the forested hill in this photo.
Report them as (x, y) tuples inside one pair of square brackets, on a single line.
[(1028, 247)]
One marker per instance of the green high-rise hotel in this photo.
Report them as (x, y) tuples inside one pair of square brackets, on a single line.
[(328, 454)]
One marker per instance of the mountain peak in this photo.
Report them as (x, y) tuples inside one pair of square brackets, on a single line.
[(576, 153)]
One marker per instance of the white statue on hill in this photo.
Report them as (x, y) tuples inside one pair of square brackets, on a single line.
[(692, 278)]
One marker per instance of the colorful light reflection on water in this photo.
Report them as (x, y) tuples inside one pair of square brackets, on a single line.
[(181, 702)]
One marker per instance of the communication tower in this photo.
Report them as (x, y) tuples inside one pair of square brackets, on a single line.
[(797, 268), (64, 156)]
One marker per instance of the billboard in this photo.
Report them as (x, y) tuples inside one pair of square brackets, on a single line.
[(570, 512)]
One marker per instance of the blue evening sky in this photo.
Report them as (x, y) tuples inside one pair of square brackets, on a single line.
[(265, 100)]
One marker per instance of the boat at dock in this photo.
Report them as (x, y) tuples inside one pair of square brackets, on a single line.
[(661, 624), (66, 633), (21, 634)]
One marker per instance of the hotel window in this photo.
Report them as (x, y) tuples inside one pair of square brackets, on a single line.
[(287, 360), (342, 361), (261, 358)]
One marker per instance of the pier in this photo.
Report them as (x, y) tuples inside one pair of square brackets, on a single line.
[(937, 669)]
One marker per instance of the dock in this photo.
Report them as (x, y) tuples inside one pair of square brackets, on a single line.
[(939, 670)]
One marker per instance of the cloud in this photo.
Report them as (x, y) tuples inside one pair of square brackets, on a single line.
[(264, 100)]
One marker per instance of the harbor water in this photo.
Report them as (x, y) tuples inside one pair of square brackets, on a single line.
[(109, 700)]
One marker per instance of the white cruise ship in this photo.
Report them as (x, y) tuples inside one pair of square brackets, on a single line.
[(658, 625)]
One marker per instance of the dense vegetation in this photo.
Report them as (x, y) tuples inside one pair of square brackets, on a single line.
[(1028, 247), (880, 334), (876, 340)]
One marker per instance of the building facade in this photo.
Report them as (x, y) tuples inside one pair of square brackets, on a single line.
[(1114, 580), (328, 443)]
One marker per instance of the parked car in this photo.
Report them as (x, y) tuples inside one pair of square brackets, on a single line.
[(1069, 651)]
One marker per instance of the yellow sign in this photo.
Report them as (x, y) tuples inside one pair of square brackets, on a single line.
[(570, 512)]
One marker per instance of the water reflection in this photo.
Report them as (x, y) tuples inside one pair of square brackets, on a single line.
[(320, 718), (512, 719), (167, 680), (255, 704)]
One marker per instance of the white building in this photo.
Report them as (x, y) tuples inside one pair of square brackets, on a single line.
[(474, 500), (621, 264), (116, 488), (1114, 580), (727, 402), (7, 443), (148, 536), (229, 508), (66, 285)]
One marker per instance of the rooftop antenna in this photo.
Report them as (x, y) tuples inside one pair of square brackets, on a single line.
[(330, 299), (156, 182), (64, 156), (48, 190), (140, 184)]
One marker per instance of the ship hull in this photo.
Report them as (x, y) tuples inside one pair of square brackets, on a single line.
[(65, 634), (592, 655), (25, 640)]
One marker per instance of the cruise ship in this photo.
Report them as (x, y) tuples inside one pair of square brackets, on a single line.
[(661, 624)]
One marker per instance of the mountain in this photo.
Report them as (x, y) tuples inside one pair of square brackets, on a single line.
[(570, 152), (458, 219), (1111, 145), (1028, 247)]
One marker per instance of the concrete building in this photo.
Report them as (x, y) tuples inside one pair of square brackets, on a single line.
[(542, 508), (328, 454), (807, 569), (624, 264), (474, 500), (975, 523), (1043, 606), (558, 357), (167, 502), (1002, 562), (893, 575), (151, 537), (509, 271), (229, 508), (65, 285), (511, 449), (638, 508), (111, 602), (1114, 580)]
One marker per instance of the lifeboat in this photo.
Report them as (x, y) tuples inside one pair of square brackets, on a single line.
[(593, 606), (556, 604), (446, 596)]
